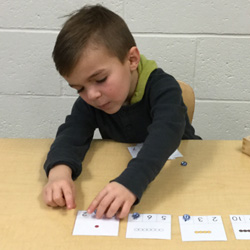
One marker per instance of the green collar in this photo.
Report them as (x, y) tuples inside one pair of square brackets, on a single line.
[(145, 68)]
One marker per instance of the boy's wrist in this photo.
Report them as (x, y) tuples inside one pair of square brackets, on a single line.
[(60, 170)]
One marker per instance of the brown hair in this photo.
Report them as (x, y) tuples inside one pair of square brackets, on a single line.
[(91, 24)]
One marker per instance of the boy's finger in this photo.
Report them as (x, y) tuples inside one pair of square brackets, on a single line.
[(103, 206), (48, 198), (69, 196), (114, 208), (124, 210), (58, 197), (94, 204)]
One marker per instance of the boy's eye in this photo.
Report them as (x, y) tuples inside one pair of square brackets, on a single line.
[(101, 80), (80, 90)]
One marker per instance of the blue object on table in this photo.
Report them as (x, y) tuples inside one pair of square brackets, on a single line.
[(135, 215), (184, 163), (186, 217)]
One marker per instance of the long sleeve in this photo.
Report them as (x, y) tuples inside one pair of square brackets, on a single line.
[(159, 120), (73, 139), (164, 135)]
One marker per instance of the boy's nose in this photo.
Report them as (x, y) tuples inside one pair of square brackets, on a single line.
[(93, 94)]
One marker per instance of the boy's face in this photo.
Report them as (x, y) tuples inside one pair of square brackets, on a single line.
[(103, 81)]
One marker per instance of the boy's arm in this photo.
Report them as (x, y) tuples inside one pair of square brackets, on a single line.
[(72, 140), (164, 136)]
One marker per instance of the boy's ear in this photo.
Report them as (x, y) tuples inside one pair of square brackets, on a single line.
[(134, 58)]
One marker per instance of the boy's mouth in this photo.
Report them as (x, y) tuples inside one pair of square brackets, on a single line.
[(103, 106)]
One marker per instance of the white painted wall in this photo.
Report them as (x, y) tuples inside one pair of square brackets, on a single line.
[(205, 43)]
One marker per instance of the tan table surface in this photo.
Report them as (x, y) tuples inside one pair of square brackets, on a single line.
[(215, 182)]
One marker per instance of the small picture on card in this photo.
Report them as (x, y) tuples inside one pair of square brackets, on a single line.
[(149, 226)]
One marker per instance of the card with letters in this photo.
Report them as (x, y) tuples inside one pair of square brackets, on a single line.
[(202, 228), (149, 226), (87, 224), (241, 226)]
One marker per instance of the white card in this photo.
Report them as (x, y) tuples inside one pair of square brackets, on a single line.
[(241, 226), (87, 224), (149, 226), (135, 150), (175, 155), (202, 228)]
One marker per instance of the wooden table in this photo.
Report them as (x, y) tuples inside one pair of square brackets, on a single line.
[(215, 182)]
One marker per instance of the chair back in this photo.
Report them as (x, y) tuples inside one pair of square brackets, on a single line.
[(188, 98)]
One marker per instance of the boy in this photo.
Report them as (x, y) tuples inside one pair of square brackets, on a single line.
[(124, 95)]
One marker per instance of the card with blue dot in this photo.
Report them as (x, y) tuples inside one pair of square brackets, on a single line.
[(202, 228)]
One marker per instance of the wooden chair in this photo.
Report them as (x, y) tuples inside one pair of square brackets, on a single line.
[(188, 98)]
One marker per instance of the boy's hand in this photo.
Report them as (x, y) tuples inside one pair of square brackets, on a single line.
[(113, 199), (60, 189)]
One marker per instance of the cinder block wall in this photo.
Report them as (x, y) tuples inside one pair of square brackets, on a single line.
[(205, 43)]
